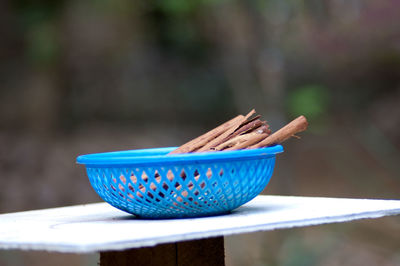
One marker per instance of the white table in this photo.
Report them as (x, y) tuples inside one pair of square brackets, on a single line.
[(123, 238)]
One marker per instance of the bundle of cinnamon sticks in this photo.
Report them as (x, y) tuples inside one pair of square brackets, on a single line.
[(242, 132)]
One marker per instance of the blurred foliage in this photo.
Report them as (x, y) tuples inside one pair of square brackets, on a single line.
[(310, 101), (37, 20), (42, 47)]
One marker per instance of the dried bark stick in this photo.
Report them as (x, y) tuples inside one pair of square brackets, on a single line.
[(298, 125), (248, 127), (248, 142), (203, 139), (259, 133), (216, 141)]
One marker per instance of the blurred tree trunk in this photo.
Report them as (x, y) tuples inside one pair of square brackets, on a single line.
[(251, 59)]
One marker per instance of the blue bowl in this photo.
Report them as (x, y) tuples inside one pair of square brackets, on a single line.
[(152, 184)]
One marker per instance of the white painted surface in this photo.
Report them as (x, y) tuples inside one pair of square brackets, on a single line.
[(99, 227)]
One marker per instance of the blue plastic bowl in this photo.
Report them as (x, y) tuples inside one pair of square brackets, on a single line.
[(152, 184)]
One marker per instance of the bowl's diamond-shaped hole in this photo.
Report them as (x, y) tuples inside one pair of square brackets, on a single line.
[(170, 175), (133, 178), (114, 180), (196, 192), (221, 172), (122, 178), (144, 176), (183, 174), (196, 174), (209, 173), (153, 186), (165, 186), (131, 188), (157, 176), (184, 193), (121, 187), (203, 184), (142, 187)]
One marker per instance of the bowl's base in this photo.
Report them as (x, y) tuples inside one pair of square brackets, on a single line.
[(180, 216)]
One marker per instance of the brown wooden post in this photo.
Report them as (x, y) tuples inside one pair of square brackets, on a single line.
[(209, 251)]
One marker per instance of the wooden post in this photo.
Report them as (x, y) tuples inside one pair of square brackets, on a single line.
[(209, 251)]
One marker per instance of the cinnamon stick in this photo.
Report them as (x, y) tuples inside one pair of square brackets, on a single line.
[(259, 133), (254, 139), (205, 138), (218, 140), (247, 127), (297, 125)]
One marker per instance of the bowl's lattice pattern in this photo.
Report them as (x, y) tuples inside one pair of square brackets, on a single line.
[(182, 190)]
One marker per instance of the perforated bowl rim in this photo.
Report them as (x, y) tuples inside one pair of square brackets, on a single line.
[(160, 155)]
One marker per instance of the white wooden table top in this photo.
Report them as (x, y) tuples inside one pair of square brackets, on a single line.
[(100, 227)]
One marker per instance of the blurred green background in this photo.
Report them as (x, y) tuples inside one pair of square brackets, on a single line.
[(86, 76)]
